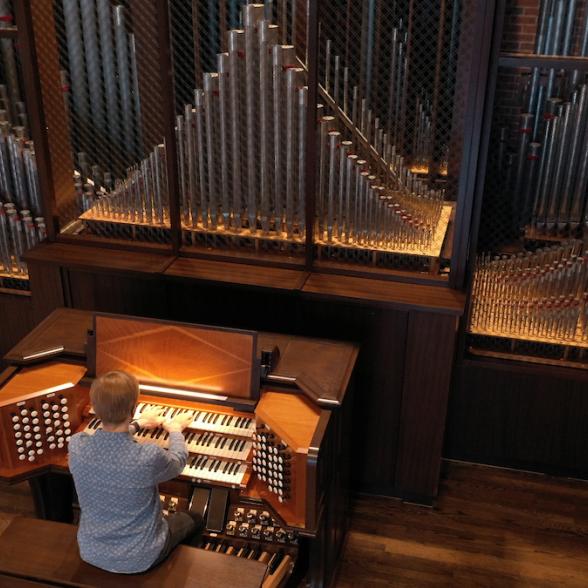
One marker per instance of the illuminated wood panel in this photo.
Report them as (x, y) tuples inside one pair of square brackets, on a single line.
[(192, 357)]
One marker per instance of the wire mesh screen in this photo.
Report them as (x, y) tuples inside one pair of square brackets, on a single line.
[(241, 114), (22, 224), (108, 67), (388, 78), (531, 277)]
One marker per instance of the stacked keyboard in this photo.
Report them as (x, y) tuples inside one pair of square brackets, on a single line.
[(219, 444)]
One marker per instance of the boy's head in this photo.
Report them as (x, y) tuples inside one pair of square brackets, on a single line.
[(114, 396)]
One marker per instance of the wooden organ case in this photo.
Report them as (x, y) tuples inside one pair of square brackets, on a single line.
[(268, 464)]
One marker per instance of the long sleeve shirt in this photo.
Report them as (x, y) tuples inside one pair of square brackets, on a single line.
[(122, 528)]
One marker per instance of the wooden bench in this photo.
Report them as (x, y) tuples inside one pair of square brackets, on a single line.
[(37, 553)]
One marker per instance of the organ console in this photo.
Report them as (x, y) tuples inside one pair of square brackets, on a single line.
[(268, 456)]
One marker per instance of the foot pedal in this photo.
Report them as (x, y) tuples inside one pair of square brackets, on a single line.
[(199, 502), (217, 509)]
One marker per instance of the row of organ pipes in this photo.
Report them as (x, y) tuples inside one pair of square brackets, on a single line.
[(541, 293), (241, 146), (22, 224), (540, 296), (546, 179)]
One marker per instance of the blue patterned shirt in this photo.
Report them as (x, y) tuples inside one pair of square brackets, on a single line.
[(122, 528)]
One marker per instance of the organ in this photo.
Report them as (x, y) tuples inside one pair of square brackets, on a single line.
[(267, 466)]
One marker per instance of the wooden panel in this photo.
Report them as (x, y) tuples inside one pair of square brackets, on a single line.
[(64, 326), (429, 359), (381, 335), (295, 422), (48, 551), (292, 417), (307, 359), (46, 290), (237, 273), (33, 380), (117, 293), (395, 294), (97, 258), (523, 416), (178, 355), (15, 319)]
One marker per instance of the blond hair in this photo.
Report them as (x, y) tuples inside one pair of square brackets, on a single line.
[(114, 396)]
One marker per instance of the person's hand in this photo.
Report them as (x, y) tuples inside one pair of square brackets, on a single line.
[(178, 423), (150, 418)]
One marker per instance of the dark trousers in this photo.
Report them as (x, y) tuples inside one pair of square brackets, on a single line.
[(182, 526)]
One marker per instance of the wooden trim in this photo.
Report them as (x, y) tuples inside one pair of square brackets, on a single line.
[(239, 274), (525, 367), (15, 292), (546, 61), (378, 273), (120, 244), (385, 293), (87, 258), (475, 95), (242, 256)]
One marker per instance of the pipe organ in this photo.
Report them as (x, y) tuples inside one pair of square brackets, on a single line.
[(264, 456), (241, 147)]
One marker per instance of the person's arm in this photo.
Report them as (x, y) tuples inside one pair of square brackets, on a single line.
[(170, 463)]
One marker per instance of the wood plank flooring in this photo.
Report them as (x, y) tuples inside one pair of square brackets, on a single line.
[(490, 527)]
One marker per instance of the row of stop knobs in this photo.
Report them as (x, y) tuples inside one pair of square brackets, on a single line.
[(27, 428), (260, 532)]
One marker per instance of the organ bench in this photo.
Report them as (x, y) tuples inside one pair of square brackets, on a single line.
[(37, 553), (269, 439)]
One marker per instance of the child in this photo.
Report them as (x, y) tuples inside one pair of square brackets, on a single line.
[(121, 525)]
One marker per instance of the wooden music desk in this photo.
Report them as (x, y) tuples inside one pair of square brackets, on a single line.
[(36, 552)]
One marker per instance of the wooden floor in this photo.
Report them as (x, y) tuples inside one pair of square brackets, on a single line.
[(490, 527)]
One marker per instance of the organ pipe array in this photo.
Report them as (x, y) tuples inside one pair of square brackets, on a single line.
[(546, 179), (22, 225), (102, 92), (241, 148), (541, 296), (18, 232)]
